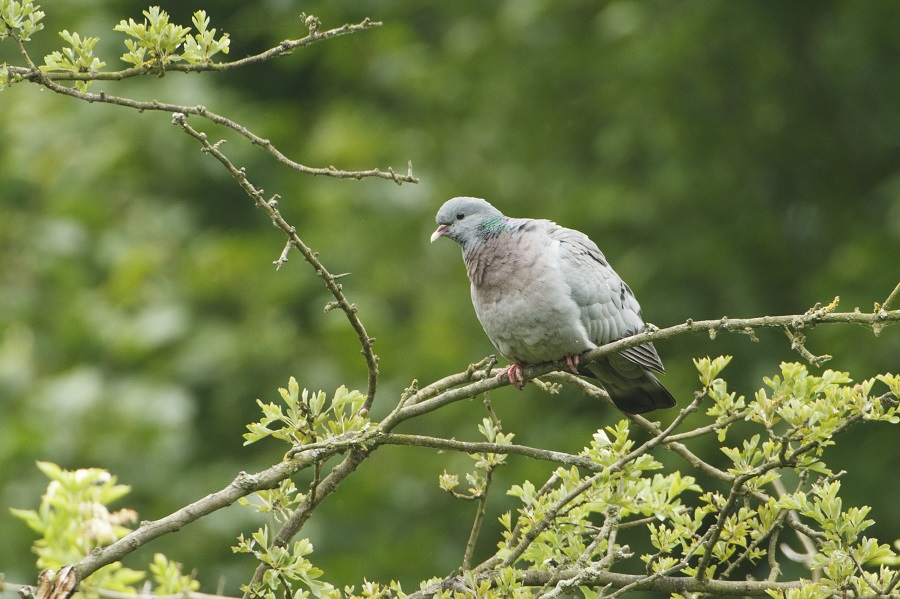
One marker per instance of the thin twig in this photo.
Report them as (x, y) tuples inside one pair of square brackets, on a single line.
[(255, 139), (893, 297), (472, 447), (284, 254), (516, 533), (678, 567), (479, 518)]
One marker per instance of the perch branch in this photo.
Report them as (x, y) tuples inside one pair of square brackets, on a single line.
[(432, 397)]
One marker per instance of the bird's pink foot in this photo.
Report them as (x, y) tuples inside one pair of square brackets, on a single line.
[(515, 375), (572, 363)]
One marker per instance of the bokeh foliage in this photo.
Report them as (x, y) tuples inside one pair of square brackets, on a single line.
[(729, 158)]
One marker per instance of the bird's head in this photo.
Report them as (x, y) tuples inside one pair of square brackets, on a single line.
[(465, 220)]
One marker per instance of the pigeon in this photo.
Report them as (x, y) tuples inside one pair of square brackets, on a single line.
[(546, 293)]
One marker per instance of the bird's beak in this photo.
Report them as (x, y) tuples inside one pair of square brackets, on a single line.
[(439, 232)]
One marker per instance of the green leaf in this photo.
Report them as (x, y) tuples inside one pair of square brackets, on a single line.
[(21, 19), (588, 592), (31, 518), (77, 58), (709, 369), (316, 403), (167, 577)]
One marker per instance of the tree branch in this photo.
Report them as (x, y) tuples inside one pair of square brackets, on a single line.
[(243, 485), (472, 447), (362, 443), (255, 139), (285, 48), (310, 256), (49, 80), (602, 578), (447, 390)]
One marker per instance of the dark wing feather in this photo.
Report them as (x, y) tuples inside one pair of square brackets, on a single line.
[(645, 355)]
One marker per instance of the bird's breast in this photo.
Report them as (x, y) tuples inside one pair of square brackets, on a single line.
[(525, 306)]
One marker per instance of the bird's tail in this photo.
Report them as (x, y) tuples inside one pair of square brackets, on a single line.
[(634, 389)]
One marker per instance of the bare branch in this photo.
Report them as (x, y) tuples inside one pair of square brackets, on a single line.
[(284, 253), (255, 139), (310, 256), (472, 447), (476, 523)]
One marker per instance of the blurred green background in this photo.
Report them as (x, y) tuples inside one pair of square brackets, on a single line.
[(730, 158)]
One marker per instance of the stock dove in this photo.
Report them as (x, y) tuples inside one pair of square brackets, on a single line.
[(545, 293)]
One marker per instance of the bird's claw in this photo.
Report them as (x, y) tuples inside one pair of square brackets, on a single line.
[(515, 374), (572, 362)]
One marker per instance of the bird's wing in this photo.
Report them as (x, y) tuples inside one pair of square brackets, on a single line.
[(609, 310)]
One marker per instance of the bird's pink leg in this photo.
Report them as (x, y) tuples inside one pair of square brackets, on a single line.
[(515, 375), (572, 363)]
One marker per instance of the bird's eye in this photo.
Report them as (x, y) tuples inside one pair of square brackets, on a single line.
[(460, 215)]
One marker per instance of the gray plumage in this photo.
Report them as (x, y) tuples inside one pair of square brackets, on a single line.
[(543, 293)]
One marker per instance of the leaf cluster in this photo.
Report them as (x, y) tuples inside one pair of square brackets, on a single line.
[(74, 518), (20, 19), (77, 58), (485, 462), (156, 40), (308, 417), (286, 567), (562, 515), (153, 43)]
